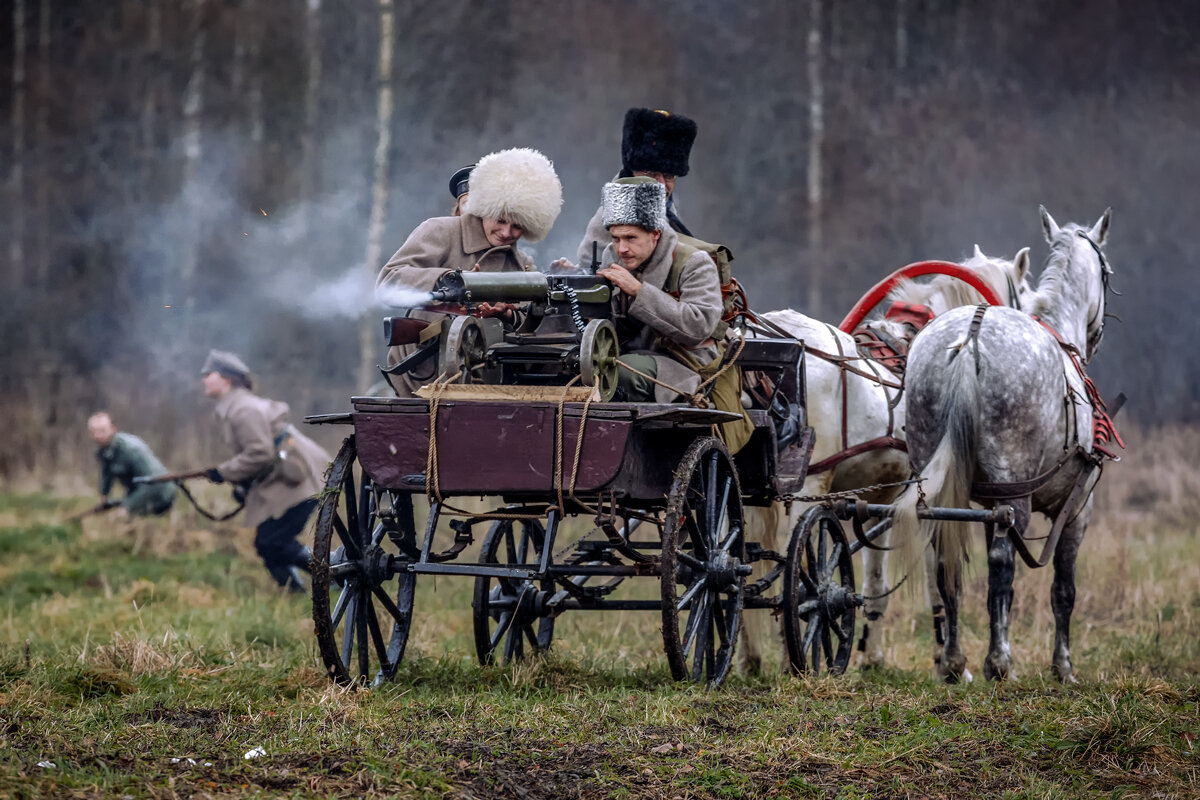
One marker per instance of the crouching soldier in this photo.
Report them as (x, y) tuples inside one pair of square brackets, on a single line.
[(276, 468), (122, 458), (668, 301)]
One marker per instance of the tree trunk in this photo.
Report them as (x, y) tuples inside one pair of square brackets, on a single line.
[(368, 335), (901, 39), (42, 139), (193, 149), (816, 136), (16, 235), (312, 97)]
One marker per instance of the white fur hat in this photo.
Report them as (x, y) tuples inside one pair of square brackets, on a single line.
[(640, 201), (518, 185)]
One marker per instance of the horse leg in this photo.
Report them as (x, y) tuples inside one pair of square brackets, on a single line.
[(1062, 592), (875, 587), (998, 664), (953, 664)]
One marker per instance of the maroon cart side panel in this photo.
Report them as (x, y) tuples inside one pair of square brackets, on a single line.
[(490, 448)]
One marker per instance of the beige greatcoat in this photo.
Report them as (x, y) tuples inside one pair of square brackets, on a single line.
[(250, 425), (688, 320), (437, 246)]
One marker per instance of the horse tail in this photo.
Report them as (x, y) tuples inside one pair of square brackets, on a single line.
[(946, 479)]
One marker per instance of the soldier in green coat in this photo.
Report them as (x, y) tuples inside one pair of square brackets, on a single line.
[(122, 458)]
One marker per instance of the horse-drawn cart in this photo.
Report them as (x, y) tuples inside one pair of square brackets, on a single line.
[(663, 493)]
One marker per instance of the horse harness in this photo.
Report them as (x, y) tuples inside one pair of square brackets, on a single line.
[(1104, 431)]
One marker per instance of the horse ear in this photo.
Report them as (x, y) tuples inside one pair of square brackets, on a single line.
[(1099, 231), (1048, 224), (978, 252), (1021, 265)]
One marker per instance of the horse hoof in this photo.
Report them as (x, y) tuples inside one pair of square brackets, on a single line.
[(996, 671), (1065, 675)]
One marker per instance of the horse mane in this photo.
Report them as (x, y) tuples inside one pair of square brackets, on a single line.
[(1049, 292)]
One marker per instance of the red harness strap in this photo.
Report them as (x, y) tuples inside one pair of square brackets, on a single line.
[(1104, 430)]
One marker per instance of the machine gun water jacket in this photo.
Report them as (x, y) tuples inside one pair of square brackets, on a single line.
[(687, 320), (282, 466), (437, 246)]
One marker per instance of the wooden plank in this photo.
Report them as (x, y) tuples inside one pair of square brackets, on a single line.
[(544, 394)]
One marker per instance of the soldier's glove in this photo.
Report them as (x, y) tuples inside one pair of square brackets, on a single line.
[(214, 475)]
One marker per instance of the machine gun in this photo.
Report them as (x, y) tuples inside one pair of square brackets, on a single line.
[(565, 330)]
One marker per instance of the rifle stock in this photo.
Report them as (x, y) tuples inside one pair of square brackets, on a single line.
[(96, 509)]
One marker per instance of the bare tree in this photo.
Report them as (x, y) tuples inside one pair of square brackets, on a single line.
[(312, 96), (17, 175), (41, 128), (368, 345), (816, 136), (149, 112), (193, 146)]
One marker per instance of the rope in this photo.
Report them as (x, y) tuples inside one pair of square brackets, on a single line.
[(205, 513), (431, 453), (699, 398)]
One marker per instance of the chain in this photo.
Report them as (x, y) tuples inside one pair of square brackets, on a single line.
[(848, 494)]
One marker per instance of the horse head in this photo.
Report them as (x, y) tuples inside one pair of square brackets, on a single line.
[(1075, 281)]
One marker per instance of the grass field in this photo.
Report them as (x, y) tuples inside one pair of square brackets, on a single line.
[(148, 660)]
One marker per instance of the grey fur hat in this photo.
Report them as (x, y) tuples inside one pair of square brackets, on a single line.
[(229, 365), (637, 201), (518, 185)]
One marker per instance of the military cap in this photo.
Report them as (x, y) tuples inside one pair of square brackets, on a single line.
[(657, 141), (637, 201), (227, 364), (460, 182)]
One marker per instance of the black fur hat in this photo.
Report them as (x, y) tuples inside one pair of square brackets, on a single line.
[(657, 141)]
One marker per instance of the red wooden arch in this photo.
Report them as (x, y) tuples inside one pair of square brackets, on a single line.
[(916, 270)]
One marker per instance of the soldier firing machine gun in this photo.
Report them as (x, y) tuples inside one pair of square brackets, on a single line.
[(567, 331)]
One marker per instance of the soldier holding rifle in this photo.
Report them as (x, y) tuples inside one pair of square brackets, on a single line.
[(123, 458), (277, 469)]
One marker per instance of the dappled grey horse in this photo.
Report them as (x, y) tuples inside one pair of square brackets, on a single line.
[(859, 422), (998, 410)]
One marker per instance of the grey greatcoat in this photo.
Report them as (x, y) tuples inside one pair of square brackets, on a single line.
[(688, 320), (258, 430), (437, 246)]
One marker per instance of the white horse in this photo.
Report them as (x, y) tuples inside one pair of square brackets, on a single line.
[(998, 410), (849, 410)]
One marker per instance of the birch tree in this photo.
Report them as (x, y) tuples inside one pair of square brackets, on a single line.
[(368, 335), (193, 149), (816, 136), (312, 96)]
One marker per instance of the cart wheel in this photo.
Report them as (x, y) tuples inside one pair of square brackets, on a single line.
[(598, 358), (819, 602), (359, 551), (512, 610), (465, 349), (703, 550)]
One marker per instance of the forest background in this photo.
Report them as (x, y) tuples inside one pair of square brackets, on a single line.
[(189, 174)]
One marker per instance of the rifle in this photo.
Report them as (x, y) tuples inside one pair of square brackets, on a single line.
[(171, 477), (99, 508), (179, 478)]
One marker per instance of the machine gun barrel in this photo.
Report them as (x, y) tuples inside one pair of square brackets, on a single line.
[(490, 287)]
